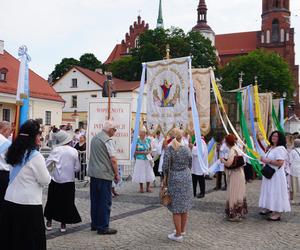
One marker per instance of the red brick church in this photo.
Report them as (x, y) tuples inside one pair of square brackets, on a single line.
[(276, 34)]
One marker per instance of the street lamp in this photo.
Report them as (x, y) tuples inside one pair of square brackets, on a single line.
[(107, 91)]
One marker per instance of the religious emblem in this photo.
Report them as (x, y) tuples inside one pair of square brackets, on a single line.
[(166, 99)]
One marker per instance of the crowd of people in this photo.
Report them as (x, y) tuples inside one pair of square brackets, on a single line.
[(24, 173)]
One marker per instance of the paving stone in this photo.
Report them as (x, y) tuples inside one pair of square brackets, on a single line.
[(143, 224)]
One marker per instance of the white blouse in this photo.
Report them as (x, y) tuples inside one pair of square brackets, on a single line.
[(27, 187), (197, 169), (66, 163)]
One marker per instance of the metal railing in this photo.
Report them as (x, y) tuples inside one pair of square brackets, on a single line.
[(83, 166)]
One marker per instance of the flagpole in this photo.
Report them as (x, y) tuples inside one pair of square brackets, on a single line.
[(17, 120)]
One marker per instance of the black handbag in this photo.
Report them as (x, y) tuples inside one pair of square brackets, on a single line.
[(268, 171)]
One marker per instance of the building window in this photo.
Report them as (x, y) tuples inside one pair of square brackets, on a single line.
[(262, 37), (282, 35), (6, 115), (136, 43), (94, 96), (276, 3), (74, 101), (275, 31), (48, 118), (74, 83), (268, 36), (3, 73)]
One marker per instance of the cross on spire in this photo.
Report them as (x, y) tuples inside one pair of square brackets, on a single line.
[(241, 79)]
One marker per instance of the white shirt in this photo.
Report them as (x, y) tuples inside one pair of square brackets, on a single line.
[(3, 165), (27, 187), (197, 169), (295, 162), (66, 163)]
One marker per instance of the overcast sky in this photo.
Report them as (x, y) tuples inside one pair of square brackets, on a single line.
[(54, 29)]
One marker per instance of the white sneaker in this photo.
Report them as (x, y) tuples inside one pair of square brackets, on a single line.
[(182, 233), (173, 236), (48, 226), (63, 228)]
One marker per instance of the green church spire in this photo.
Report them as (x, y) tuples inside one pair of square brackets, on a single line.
[(160, 21)]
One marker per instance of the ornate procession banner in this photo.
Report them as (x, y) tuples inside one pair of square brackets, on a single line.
[(201, 80), (167, 101)]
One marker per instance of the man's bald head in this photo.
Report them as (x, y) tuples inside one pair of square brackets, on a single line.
[(5, 128)]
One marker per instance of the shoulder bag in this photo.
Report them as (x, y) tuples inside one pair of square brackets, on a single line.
[(267, 170), (238, 161)]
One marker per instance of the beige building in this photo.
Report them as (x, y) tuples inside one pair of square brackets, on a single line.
[(79, 86), (45, 104)]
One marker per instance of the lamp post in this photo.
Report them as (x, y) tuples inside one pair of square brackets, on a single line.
[(109, 81)]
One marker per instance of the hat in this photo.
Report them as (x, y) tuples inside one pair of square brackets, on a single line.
[(62, 138)]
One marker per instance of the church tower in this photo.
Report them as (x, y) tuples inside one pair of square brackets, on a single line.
[(202, 25), (275, 22), (160, 21), (277, 35)]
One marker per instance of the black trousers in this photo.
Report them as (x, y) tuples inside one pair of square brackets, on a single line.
[(219, 176), (201, 180), (4, 179), (248, 172)]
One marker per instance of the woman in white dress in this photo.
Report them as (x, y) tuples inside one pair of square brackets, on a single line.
[(143, 171), (295, 170), (274, 198)]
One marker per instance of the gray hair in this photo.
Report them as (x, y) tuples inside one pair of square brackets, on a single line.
[(297, 143), (108, 124), (4, 125)]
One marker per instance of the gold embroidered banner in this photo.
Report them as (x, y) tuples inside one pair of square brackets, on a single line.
[(201, 80), (167, 95)]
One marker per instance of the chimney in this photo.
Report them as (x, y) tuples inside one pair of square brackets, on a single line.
[(1, 47), (100, 71)]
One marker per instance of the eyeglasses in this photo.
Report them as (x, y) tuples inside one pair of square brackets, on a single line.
[(114, 129)]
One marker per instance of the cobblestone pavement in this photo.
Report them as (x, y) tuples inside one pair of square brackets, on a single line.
[(143, 224)]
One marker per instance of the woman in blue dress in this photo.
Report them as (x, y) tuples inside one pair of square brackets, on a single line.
[(143, 171)]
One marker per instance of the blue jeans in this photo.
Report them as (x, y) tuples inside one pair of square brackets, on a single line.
[(100, 193)]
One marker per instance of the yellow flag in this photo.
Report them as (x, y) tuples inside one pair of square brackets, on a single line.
[(258, 114)]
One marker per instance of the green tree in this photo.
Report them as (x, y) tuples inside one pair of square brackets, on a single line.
[(125, 68), (89, 61), (272, 72), (152, 47), (65, 65)]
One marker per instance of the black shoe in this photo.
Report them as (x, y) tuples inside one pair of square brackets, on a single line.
[(93, 229), (200, 196), (108, 231), (265, 213), (224, 188), (216, 188)]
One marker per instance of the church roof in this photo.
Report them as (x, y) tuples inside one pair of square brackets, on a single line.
[(115, 54), (236, 43), (39, 87)]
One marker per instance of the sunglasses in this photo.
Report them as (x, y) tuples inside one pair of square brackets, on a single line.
[(114, 129)]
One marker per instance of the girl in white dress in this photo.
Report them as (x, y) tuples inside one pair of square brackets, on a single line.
[(274, 197)]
